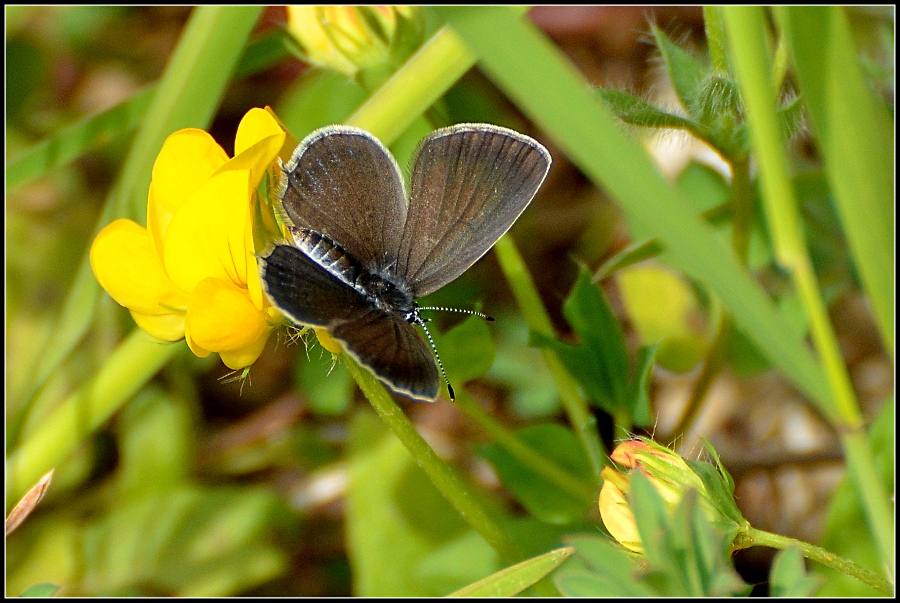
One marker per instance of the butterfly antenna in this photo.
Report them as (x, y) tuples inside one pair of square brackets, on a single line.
[(459, 311), (421, 322)]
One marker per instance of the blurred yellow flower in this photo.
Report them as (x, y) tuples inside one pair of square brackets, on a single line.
[(192, 271), (349, 39)]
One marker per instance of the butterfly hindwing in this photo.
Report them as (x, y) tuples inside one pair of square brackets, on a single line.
[(304, 291), (393, 351)]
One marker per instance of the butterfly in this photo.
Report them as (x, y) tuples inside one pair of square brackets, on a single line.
[(363, 250)]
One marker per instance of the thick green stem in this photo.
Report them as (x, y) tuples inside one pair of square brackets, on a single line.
[(715, 38)]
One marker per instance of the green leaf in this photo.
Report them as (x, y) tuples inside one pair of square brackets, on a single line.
[(708, 561), (640, 385), (599, 568), (686, 73), (652, 520), (575, 583), (467, 350), (590, 315), (543, 499), (599, 362), (788, 577), (705, 188), (686, 554), (638, 112), (513, 580), (629, 256), (720, 491)]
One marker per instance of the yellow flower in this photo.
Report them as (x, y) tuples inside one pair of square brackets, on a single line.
[(672, 477), (192, 271), (353, 38)]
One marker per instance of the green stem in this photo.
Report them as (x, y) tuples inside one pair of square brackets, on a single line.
[(712, 366), (535, 314), (129, 367), (457, 492), (754, 537), (715, 39)]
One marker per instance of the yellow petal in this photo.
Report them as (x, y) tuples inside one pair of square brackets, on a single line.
[(221, 318), (254, 283), (256, 125), (238, 359), (127, 267), (187, 159), (618, 518), (168, 327), (257, 158), (306, 25), (258, 143), (207, 237)]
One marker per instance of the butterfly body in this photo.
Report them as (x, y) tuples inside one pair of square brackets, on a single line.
[(363, 251), (378, 287)]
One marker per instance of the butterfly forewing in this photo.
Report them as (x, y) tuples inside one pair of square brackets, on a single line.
[(343, 183), (469, 184)]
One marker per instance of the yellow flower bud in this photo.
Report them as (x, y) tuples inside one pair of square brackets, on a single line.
[(349, 39), (670, 475)]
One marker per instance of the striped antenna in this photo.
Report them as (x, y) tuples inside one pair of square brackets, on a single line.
[(421, 322), (458, 311)]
